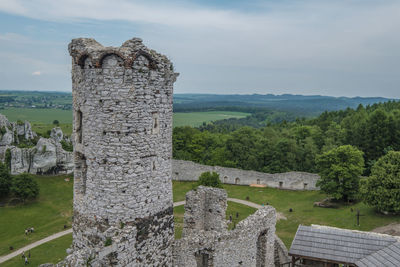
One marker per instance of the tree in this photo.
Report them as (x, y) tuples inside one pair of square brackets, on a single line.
[(24, 187), (5, 180), (382, 189), (56, 122), (340, 170), (210, 179)]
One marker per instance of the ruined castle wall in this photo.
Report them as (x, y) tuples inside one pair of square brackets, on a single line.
[(189, 171), (205, 210), (251, 243), (122, 105)]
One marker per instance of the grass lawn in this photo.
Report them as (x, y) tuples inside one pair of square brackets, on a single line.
[(50, 252), (47, 214), (46, 116), (197, 118), (53, 209)]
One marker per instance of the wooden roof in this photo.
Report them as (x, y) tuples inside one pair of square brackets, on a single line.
[(344, 246)]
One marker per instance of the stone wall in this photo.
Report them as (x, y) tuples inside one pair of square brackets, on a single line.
[(190, 171), (251, 243), (122, 108)]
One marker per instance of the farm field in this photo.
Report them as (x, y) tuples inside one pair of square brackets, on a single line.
[(38, 115), (197, 118), (43, 118), (53, 209)]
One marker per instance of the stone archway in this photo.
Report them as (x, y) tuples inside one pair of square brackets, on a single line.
[(262, 249)]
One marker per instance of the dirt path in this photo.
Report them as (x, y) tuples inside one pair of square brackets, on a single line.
[(279, 216), (390, 229), (33, 245)]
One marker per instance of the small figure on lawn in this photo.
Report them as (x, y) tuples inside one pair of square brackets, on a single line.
[(26, 261)]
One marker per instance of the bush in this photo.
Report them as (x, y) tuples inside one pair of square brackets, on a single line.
[(24, 187), (340, 170), (210, 179), (382, 189), (67, 146), (56, 122), (5, 180)]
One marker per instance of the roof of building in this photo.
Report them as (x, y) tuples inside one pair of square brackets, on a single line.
[(345, 246), (388, 256)]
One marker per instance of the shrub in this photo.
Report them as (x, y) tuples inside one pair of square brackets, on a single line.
[(209, 179), (5, 180), (67, 146), (24, 187)]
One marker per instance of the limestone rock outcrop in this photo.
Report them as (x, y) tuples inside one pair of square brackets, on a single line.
[(27, 152)]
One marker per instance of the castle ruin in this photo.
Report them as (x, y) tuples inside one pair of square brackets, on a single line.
[(123, 209)]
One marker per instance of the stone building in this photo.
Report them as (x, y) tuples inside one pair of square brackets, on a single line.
[(123, 209), (206, 240), (122, 105)]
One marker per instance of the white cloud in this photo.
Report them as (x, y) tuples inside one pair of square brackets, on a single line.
[(36, 73), (342, 46)]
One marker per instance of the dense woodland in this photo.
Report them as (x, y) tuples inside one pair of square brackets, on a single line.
[(291, 146)]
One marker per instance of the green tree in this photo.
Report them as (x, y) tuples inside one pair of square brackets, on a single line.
[(56, 122), (5, 180), (24, 187), (340, 170), (209, 179), (382, 189)]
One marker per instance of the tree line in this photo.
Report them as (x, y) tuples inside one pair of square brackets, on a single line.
[(293, 146)]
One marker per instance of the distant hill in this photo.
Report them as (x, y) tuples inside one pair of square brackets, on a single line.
[(303, 105), (296, 105)]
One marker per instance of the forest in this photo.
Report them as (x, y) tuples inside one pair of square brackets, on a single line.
[(291, 146)]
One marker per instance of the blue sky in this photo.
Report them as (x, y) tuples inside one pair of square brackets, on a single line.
[(339, 48)]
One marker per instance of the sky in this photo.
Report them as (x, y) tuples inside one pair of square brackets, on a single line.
[(323, 47)]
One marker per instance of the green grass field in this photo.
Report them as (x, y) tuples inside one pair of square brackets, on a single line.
[(51, 252), (46, 116), (197, 118), (42, 119), (47, 214), (53, 209)]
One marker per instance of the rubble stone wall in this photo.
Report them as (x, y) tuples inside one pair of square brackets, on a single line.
[(122, 106), (251, 243), (189, 171)]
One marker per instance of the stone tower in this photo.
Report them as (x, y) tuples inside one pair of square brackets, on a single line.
[(122, 104)]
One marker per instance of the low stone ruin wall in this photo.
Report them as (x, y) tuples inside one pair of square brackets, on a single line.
[(189, 171)]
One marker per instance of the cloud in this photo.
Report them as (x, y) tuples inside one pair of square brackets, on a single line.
[(36, 73), (343, 47)]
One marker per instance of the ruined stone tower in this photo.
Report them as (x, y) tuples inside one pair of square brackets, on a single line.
[(122, 102)]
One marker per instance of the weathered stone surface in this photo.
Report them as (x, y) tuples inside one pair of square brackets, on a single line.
[(189, 171), (46, 157), (57, 134), (122, 105), (207, 242)]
